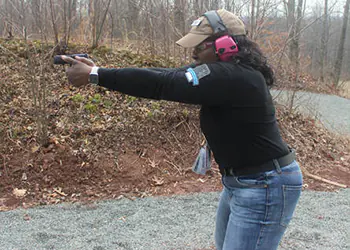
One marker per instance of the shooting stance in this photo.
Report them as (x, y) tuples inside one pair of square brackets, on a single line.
[(230, 80)]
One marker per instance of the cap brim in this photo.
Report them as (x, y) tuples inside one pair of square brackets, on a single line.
[(191, 40)]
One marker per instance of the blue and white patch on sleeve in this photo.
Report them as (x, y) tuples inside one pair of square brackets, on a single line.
[(195, 74)]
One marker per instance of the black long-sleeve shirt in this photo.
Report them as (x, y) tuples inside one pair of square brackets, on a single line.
[(237, 114)]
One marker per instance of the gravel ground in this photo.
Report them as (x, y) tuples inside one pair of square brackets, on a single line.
[(332, 111), (321, 222)]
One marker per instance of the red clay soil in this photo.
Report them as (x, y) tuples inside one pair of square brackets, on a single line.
[(157, 164)]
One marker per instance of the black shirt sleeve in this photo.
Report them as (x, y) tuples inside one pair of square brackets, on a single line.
[(226, 84), (192, 65)]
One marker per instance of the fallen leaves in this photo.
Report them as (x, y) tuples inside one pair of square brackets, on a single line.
[(59, 191), (157, 181), (24, 177), (19, 193), (35, 149)]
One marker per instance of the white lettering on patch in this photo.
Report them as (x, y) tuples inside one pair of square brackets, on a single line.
[(202, 71), (196, 22)]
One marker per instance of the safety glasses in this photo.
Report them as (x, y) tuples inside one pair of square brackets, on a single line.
[(203, 46)]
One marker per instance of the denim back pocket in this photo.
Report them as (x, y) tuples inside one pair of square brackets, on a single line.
[(291, 196)]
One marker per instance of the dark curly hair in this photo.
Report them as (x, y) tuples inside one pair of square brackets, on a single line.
[(251, 55)]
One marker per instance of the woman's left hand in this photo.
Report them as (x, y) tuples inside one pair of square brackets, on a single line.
[(78, 73)]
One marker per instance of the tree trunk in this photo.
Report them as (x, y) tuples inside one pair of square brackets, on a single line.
[(36, 14), (99, 27), (179, 17), (54, 25), (92, 20), (112, 28), (291, 27), (23, 19), (214, 5), (64, 22), (339, 60), (229, 5), (324, 40), (133, 16), (295, 49), (258, 19), (196, 6), (252, 20), (297, 35), (9, 23)]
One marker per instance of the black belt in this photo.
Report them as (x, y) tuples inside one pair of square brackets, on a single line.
[(267, 166)]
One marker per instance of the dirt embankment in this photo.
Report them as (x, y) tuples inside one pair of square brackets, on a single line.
[(104, 144)]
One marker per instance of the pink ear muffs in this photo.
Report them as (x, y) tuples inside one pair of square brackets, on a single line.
[(225, 47)]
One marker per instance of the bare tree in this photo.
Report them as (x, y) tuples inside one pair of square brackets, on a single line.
[(230, 5), (133, 15), (158, 23), (9, 22), (252, 20), (54, 21), (295, 49), (340, 55), (214, 4), (324, 41), (38, 83), (97, 19), (22, 17), (179, 17), (297, 34), (199, 7), (14, 15), (69, 11), (36, 10), (291, 27)]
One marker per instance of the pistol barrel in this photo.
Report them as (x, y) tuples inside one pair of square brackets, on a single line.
[(58, 59)]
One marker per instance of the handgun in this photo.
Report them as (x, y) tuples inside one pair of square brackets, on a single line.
[(58, 59)]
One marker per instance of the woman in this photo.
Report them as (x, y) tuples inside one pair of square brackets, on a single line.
[(261, 180)]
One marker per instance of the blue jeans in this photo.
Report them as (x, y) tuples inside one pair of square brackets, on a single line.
[(254, 210)]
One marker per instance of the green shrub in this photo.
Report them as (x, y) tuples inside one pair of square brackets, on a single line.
[(90, 107), (96, 98), (107, 103), (185, 112), (78, 98), (155, 105), (131, 99)]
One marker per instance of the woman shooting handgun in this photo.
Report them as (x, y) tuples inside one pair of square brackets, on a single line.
[(230, 81)]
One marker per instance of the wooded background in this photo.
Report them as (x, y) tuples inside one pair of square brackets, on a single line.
[(303, 34)]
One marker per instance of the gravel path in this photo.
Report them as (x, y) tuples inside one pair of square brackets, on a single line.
[(321, 222), (332, 111)]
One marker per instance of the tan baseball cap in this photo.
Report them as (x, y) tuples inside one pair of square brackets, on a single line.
[(201, 29)]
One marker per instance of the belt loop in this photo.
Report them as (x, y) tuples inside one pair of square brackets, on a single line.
[(277, 165)]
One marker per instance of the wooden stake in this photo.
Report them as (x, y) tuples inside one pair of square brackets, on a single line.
[(323, 179)]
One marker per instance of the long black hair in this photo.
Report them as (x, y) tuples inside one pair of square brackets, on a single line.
[(251, 55)]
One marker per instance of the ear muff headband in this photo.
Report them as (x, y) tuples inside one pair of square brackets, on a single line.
[(215, 22)]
